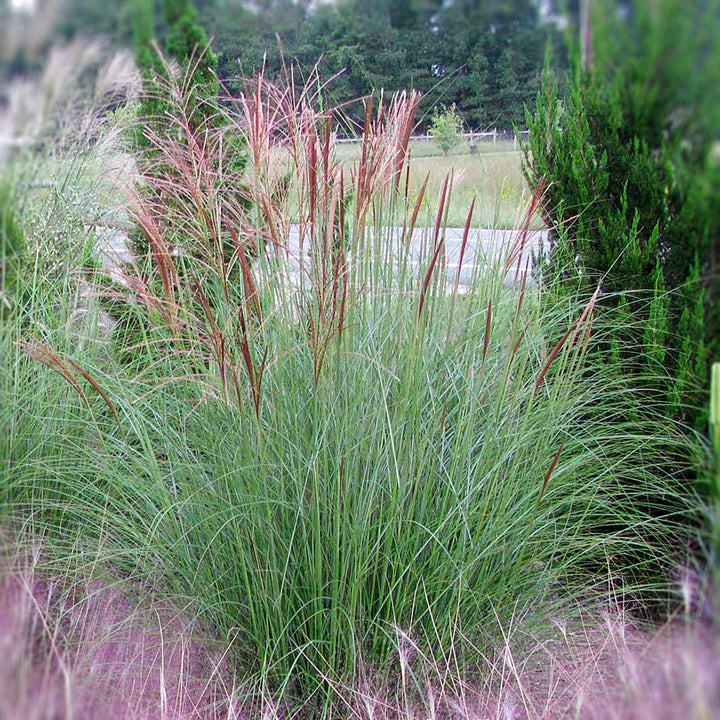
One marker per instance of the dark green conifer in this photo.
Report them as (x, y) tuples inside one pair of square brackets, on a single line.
[(623, 161)]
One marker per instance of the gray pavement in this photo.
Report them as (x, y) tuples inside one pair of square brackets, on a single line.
[(483, 247)]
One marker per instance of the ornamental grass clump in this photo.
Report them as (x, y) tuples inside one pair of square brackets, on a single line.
[(321, 446)]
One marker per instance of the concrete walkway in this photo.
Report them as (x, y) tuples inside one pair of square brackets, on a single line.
[(483, 247)]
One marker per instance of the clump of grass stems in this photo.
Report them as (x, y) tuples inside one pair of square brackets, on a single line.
[(324, 447)]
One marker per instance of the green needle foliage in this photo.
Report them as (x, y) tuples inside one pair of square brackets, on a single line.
[(187, 67), (715, 472), (629, 186), (186, 58), (187, 45)]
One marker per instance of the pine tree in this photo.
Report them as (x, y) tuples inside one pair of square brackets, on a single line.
[(508, 99), (479, 80), (187, 45), (657, 327)]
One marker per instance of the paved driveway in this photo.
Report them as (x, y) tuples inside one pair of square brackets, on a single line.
[(483, 247)]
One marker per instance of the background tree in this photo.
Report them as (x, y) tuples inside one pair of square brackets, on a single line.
[(450, 52), (186, 43), (508, 99), (114, 20), (12, 250), (446, 128), (477, 112)]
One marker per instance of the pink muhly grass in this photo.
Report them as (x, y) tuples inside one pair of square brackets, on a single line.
[(79, 647)]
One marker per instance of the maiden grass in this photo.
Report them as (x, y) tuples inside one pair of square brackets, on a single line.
[(321, 464)]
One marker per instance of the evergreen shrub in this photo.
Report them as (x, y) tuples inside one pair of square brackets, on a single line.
[(629, 189)]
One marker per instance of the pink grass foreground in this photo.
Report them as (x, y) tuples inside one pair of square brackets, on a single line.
[(83, 649)]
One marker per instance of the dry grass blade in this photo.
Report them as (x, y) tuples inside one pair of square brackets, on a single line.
[(463, 245), (428, 276), (438, 245), (586, 314), (50, 358), (384, 149), (550, 359), (488, 327), (218, 340), (97, 388), (162, 257), (519, 340), (549, 473), (521, 294), (416, 210), (517, 248), (47, 356), (247, 356), (574, 328), (440, 210)]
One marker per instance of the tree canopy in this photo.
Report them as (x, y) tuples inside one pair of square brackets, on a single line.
[(483, 56)]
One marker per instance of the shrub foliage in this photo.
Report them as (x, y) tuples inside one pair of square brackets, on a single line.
[(12, 250), (446, 127), (629, 187), (186, 46)]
